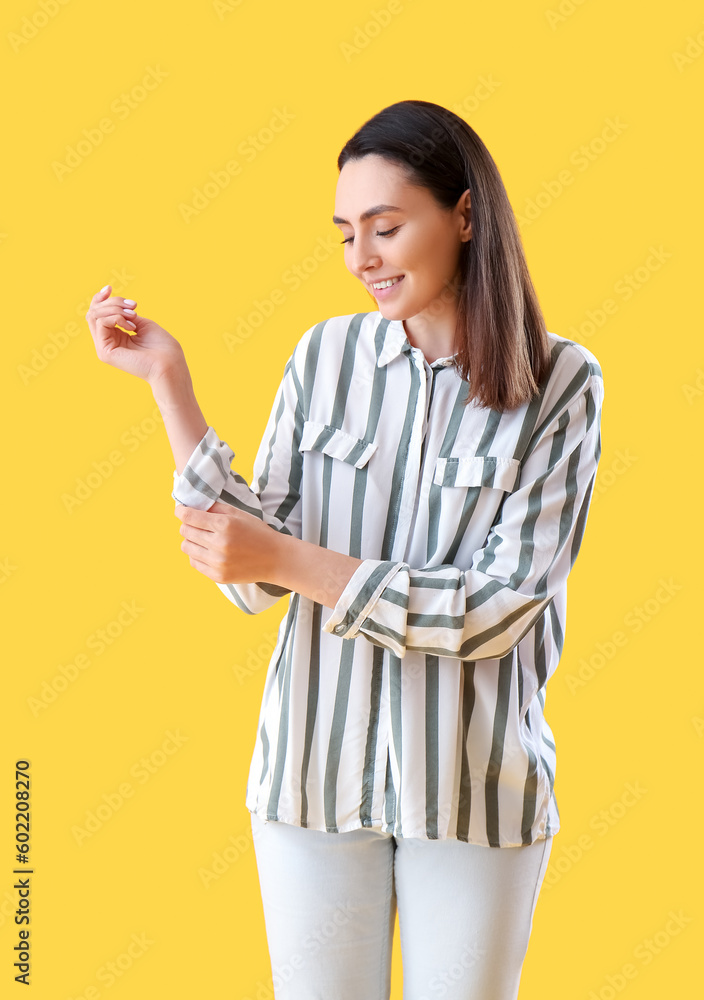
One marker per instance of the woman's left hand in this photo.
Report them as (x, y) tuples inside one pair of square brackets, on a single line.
[(228, 545)]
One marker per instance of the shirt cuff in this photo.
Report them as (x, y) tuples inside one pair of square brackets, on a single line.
[(361, 593), (205, 473)]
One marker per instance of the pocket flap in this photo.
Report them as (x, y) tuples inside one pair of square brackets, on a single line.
[(337, 443), (478, 470)]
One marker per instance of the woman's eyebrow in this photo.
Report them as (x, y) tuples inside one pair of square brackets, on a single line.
[(369, 214)]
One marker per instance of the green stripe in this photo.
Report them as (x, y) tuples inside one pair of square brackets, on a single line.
[(337, 731), (360, 482), (295, 459), (389, 791), (365, 592), (468, 508), (565, 396), (551, 781), (311, 366), (238, 600), (530, 791), (481, 637), (380, 338), (530, 785), (199, 484), (311, 706), (285, 656), (491, 788), (395, 688), (344, 376), (280, 758), (395, 596), (289, 635), (539, 657), (465, 790), (235, 501), (434, 582), (369, 773), (532, 412), (491, 426), (432, 760), (435, 491), (216, 459)]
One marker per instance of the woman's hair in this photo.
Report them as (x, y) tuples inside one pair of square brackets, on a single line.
[(501, 339)]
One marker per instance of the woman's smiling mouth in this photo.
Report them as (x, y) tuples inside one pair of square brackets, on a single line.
[(383, 287)]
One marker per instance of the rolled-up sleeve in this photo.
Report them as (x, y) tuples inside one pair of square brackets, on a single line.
[(482, 611), (274, 496)]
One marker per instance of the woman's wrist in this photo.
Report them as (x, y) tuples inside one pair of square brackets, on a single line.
[(172, 388), (183, 418)]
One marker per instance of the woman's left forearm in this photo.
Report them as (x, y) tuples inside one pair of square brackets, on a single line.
[(310, 570)]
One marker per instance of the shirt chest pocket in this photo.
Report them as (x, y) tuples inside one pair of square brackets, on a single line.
[(492, 471), (337, 443)]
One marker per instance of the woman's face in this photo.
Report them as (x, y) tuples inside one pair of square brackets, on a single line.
[(422, 242)]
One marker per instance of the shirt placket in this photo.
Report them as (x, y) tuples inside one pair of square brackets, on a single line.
[(386, 752), (411, 479)]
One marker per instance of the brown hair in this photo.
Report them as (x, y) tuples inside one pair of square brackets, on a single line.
[(502, 347)]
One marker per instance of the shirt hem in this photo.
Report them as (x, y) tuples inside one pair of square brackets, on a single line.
[(382, 827)]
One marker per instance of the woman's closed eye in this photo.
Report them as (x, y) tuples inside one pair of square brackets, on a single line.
[(387, 233)]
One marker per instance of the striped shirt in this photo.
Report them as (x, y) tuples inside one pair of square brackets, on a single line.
[(415, 705)]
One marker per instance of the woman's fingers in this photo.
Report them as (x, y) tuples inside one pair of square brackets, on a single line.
[(103, 325), (129, 341), (104, 310), (107, 312), (103, 302)]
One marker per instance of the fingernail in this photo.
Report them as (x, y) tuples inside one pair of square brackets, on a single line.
[(130, 302), (131, 312), (103, 289)]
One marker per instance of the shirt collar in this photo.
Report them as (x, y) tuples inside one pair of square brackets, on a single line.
[(396, 341)]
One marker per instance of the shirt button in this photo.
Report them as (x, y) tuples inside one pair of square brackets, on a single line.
[(339, 628)]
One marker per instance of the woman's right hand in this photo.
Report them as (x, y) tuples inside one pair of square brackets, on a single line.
[(150, 352)]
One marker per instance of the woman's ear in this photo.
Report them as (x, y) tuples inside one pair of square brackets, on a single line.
[(464, 204)]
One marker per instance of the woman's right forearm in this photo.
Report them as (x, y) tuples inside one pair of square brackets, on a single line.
[(183, 419)]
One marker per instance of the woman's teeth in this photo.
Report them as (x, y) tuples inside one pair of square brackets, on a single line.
[(386, 284)]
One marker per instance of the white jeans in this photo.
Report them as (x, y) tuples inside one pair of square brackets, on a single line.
[(465, 913)]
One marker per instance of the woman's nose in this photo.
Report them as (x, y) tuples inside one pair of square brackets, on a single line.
[(364, 258)]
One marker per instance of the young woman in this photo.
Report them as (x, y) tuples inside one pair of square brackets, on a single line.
[(421, 492)]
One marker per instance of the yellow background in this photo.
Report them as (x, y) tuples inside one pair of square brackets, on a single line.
[(626, 706)]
